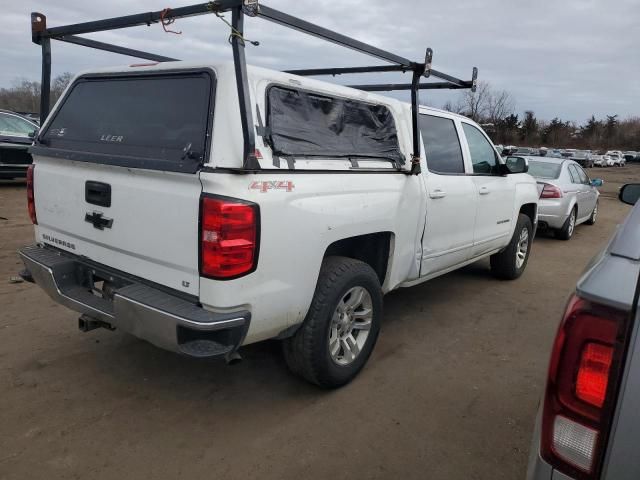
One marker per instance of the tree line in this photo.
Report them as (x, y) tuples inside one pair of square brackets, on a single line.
[(495, 111), (24, 95)]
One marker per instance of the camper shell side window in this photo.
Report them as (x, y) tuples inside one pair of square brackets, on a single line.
[(306, 124)]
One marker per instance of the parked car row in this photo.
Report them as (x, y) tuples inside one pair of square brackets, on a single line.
[(586, 158), (16, 135)]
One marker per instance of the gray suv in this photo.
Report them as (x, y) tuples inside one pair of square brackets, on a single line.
[(588, 424)]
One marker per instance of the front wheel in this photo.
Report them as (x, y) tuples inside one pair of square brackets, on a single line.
[(594, 215), (342, 325), (510, 263)]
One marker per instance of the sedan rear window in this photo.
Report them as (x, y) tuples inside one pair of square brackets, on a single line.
[(152, 121), (544, 169)]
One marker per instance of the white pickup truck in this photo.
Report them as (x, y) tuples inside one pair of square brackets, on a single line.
[(145, 220)]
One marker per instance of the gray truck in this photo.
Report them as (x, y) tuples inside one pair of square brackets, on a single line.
[(588, 424)]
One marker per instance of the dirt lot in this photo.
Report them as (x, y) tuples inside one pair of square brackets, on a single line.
[(450, 392)]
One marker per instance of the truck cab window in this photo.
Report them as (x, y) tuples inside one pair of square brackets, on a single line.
[(441, 144), (483, 155)]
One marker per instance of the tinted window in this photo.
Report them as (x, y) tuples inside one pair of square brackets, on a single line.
[(483, 156), (584, 178), (441, 144), (573, 173), (544, 169), (161, 120), (14, 126), (308, 124)]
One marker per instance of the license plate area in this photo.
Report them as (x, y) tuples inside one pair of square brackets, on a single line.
[(99, 282)]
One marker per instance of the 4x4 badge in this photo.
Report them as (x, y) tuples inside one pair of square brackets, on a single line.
[(98, 221)]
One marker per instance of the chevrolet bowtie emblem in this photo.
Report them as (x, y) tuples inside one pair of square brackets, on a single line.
[(98, 221)]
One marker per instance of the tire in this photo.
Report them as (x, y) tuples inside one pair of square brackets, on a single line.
[(308, 352), (566, 232), (594, 215), (511, 262)]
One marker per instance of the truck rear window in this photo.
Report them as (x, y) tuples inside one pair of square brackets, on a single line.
[(157, 121), (308, 124)]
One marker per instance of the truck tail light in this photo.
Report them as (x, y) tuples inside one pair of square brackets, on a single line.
[(31, 199), (584, 376), (229, 237), (550, 191)]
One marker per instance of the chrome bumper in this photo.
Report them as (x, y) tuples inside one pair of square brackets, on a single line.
[(165, 319)]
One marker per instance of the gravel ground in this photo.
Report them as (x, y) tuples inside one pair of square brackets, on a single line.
[(450, 392)]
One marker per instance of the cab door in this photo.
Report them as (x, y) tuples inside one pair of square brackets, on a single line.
[(451, 206), (495, 193)]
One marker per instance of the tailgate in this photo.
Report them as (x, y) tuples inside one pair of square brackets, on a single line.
[(154, 229), (116, 175)]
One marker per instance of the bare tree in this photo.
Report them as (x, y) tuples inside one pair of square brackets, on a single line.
[(499, 105), (474, 104), (449, 106)]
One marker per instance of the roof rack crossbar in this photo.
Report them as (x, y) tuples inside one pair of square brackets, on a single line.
[(309, 72), (389, 87), (108, 47), (140, 19), (42, 36)]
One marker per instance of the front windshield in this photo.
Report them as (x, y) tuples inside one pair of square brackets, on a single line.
[(14, 126), (544, 169)]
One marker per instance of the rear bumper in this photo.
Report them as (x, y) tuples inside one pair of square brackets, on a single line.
[(164, 319), (552, 213)]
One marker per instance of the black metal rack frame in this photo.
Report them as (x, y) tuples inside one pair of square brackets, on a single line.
[(42, 35)]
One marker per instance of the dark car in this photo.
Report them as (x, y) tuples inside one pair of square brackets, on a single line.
[(16, 136)]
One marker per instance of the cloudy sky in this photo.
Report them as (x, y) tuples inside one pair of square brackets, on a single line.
[(567, 58)]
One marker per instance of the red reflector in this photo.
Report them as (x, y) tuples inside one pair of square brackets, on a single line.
[(593, 374), (31, 199), (228, 237), (550, 191)]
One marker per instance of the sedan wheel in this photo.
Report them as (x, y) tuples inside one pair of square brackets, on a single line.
[(594, 215), (566, 232)]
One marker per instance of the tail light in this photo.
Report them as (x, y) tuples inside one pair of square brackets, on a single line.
[(31, 199), (229, 234), (550, 191), (583, 379)]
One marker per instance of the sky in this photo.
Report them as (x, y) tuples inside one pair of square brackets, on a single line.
[(565, 58)]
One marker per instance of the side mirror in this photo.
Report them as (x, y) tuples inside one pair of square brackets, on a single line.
[(33, 133), (597, 182), (630, 193), (517, 164)]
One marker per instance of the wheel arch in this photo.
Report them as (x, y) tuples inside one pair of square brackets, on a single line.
[(531, 211), (374, 249)]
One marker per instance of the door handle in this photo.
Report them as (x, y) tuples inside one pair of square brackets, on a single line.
[(437, 193), (484, 191)]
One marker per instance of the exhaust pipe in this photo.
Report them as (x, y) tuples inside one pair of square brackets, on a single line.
[(232, 358)]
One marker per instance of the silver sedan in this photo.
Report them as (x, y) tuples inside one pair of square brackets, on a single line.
[(567, 196)]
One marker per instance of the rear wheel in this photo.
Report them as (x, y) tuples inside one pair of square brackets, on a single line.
[(510, 263), (566, 232), (594, 215), (341, 327)]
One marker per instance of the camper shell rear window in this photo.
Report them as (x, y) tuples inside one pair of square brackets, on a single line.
[(158, 121), (307, 124)]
